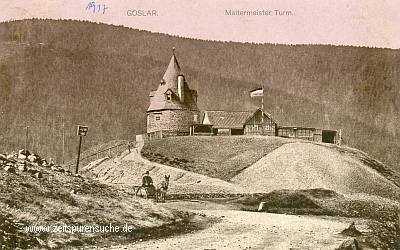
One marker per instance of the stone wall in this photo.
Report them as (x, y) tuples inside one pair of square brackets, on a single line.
[(171, 121)]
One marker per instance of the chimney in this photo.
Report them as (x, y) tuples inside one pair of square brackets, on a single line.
[(181, 86)]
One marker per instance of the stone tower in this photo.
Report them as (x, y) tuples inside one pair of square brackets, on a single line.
[(173, 106)]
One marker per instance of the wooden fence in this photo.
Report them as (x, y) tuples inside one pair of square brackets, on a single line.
[(112, 151)]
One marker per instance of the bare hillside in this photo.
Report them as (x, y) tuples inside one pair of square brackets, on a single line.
[(128, 169), (306, 165)]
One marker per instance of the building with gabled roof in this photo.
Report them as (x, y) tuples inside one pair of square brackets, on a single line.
[(173, 106), (218, 122), (221, 119)]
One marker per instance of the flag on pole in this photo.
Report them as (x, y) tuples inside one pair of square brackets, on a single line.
[(257, 92)]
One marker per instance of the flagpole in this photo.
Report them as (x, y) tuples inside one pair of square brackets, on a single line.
[(262, 111), (256, 93)]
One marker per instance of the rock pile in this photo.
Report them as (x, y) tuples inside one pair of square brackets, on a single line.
[(25, 161)]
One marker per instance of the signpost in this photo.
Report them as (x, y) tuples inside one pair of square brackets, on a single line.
[(81, 131)]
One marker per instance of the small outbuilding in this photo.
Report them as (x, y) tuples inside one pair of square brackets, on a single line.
[(310, 134)]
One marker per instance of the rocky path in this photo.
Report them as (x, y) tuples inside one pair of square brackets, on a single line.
[(252, 230), (128, 169)]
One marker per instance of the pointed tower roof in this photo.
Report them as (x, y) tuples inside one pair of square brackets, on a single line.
[(172, 72), (170, 82)]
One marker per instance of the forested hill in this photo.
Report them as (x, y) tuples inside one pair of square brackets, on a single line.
[(100, 75)]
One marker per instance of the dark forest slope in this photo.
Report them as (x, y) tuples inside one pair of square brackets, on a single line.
[(101, 75)]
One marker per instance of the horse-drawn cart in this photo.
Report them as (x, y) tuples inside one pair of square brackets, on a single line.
[(145, 192), (158, 193)]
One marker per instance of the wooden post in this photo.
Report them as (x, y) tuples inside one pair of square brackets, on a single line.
[(26, 140), (63, 143), (81, 131), (79, 153)]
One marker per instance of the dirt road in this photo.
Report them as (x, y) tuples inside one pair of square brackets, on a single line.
[(252, 230), (246, 230)]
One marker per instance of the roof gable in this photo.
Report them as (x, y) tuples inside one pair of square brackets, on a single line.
[(267, 115), (205, 120), (226, 119)]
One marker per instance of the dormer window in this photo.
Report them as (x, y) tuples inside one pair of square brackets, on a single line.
[(168, 95)]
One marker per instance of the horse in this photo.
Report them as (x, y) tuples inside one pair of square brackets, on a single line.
[(161, 190)]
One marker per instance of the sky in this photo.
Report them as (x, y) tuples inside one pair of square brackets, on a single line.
[(373, 23)]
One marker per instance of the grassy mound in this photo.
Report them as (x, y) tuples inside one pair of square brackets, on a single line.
[(219, 157), (58, 199), (290, 201)]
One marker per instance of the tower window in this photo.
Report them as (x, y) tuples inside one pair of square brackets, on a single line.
[(169, 97), (158, 117)]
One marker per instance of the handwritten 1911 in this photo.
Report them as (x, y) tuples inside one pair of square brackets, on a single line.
[(96, 7)]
